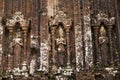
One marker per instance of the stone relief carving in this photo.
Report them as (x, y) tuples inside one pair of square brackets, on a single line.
[(17, 39), (103, 39), (60, 17), (60, 37), (102, 17), (18, 17), (17, 36), (103, 43), (61, 40), (60, 44)]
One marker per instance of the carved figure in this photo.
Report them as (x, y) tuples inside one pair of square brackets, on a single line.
[(103, 43), (60, 41), (16, 48)]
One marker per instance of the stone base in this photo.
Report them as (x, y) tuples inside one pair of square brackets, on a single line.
[(85, 76), (97, 75), (102, 75), (21, 78), (107, 74), (40, 76)]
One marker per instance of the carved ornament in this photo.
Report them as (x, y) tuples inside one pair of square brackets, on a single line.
[(17, 17), (60, 17), (102, 17)]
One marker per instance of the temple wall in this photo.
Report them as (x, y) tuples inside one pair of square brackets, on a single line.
[(82, 36), (1, 30), (87, 36)]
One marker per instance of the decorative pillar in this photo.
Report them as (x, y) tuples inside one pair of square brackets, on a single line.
[(25, 42), (10, 58), (67, 24), (68, 45), (118, 24), (1, 42), (53, 27), (10, 28), (96, 30), (110, 43)]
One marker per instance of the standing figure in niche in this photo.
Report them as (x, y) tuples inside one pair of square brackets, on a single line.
[(61, 47), (18, 46), (103, 43)]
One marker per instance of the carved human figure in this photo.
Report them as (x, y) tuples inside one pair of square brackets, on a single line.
[(103, 43), (60, 41), (17, 48)]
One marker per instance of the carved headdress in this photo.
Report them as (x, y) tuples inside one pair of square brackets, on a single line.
[(102, 31)]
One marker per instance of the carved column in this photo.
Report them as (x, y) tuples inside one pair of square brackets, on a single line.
[(53, 27), (117, 22), (1, 43), (96, 28), (10, 28), (9, 56), (68, 44), (110, 42), (25, 41)]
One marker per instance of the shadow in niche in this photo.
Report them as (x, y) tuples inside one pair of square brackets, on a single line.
[(117, 77), (34, 51)]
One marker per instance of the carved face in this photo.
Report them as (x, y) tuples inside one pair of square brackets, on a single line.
[(61, 32), (102, 31)]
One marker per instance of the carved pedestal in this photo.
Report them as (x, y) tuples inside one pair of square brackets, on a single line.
[(85, 76), (40, 76)]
